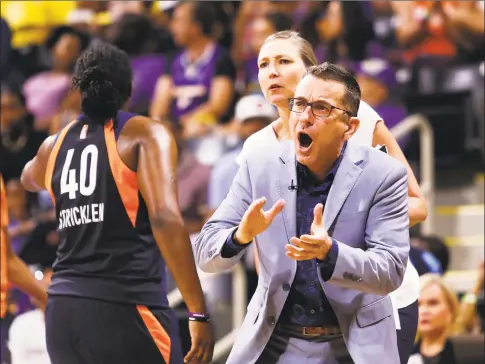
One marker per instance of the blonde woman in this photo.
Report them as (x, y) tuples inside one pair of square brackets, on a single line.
[(438, 311)]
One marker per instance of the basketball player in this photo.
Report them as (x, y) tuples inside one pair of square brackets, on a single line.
[(112, 177), (13, 270)]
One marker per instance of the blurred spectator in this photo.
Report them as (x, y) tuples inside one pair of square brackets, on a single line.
[(467, 24), (424, 261), (21, 222), (471, 315), (438, 310), (377, 79), (429, 254), (223, 28), (438, 28), (197, 87), (247, 13), (436, 246), (339, 31), (193, 181), (46, 91), (253, 113), (135, 35), (19, 140), (27, 342), (262, 27)]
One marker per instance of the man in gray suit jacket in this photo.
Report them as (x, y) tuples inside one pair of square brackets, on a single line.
[(333, 245)]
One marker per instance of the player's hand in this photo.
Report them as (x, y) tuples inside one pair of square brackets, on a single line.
[(202, 343), (316, 245), (256, 220)]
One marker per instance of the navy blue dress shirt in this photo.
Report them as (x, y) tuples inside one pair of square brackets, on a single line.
[(306, 304)]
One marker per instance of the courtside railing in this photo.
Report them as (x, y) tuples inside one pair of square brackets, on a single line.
[(426, 164), (239, 301)]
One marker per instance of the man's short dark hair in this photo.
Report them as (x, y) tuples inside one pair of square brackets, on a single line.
[(332, 72), (204, 14)]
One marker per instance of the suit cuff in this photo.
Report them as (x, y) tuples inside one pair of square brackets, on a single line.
[(230, 248), (327, 266)]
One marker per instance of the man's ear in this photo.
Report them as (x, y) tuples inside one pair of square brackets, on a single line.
[(352, 127)]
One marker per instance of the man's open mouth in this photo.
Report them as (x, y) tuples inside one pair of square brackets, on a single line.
[(305, 140)]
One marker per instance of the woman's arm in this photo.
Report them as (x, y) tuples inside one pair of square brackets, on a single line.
[(467, 314), (19, 274), (418, 210)]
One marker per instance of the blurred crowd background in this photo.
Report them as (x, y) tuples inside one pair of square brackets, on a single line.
[(409, 57)]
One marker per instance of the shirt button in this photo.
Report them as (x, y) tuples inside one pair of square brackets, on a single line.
[(312, 311), (286, 287), (271, 320)]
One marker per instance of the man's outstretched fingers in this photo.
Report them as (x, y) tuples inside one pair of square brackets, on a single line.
[(276, 209), (257, 204)]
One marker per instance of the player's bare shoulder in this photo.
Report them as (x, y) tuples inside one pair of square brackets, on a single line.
[(142, 128), (142, 132)]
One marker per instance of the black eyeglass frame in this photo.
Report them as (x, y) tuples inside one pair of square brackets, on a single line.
[(291, 102)]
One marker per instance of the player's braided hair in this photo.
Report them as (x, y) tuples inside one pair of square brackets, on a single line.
[(103, 76)]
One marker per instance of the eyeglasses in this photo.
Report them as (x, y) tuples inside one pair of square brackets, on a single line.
[(320, 109)]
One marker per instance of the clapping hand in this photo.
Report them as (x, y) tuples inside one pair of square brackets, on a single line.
[(316, 245)]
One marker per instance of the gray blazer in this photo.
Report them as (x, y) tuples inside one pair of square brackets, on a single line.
[(366, 212)]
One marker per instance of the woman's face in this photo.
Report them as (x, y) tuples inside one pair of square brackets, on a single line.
[(280, 69), (11, 109), (66, 51), (434, 312)]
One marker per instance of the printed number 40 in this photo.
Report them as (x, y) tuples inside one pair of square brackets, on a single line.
[(68, 176)]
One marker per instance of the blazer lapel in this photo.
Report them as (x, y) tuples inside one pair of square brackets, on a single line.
[(347, 174), (286, 178)]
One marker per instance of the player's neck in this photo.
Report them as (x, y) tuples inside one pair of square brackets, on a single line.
[(196, 49)]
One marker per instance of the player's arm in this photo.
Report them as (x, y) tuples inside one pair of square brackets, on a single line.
[(33, 174), (418, 209), (157, 179), (20, 275)]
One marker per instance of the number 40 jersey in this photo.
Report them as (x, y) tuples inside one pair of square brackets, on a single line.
[(106, 250)]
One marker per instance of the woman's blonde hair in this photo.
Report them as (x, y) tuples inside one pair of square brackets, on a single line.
[(451, 299), (306, 50)]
